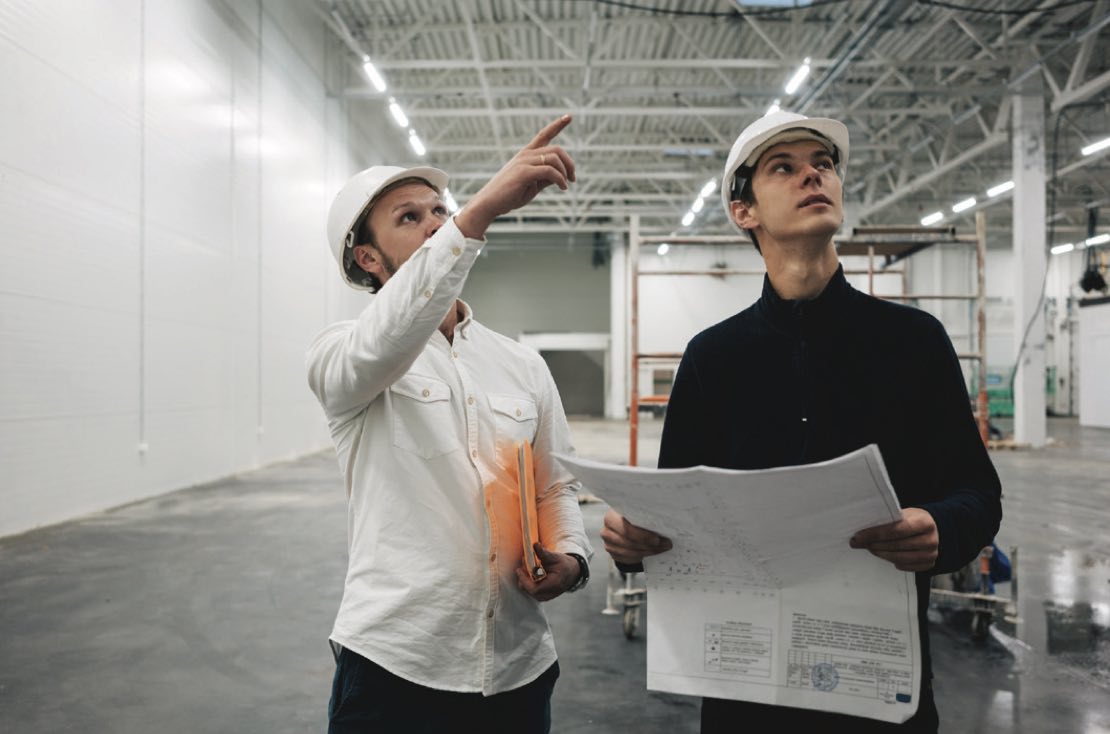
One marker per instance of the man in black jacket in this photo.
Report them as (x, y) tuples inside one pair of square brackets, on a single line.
[(813, 370)]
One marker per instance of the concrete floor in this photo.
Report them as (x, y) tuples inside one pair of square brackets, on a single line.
[(208, 610)]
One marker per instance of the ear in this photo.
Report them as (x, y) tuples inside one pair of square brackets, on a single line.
[(370, 260), (743, 214)]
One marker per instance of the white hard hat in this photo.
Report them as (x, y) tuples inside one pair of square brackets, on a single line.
[(781, 127), (353, 202)]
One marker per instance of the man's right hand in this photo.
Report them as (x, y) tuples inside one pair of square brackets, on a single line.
[(535, 167), (630, 544)]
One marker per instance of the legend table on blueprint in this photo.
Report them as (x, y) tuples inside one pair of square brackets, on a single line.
[(738, 647)]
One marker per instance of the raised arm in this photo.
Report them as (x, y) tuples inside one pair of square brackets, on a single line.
[(351, 363)]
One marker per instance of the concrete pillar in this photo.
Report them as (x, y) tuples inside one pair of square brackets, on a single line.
[(616, 391), (1030, 261)]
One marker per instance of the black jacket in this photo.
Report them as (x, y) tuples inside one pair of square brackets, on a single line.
[(784, 383)]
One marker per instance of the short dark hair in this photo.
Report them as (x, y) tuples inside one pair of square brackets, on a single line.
[(364, 235), (746, 196)]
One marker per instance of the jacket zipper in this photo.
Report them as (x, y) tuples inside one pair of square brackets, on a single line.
[(800, 312)]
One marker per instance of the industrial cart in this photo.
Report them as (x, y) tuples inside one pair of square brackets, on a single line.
[(970, 590), (625, 595)]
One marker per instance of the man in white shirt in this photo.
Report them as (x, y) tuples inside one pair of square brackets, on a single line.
[(440, 626)]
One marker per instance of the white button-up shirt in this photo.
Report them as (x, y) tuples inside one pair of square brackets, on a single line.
[(425, 431)]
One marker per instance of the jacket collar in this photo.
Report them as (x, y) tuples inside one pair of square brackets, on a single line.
[(791, 316), (463, 327)]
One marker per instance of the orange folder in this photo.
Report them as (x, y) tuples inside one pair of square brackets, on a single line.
[(529, 522)]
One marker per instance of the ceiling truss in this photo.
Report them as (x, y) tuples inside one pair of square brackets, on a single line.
[(659, 96)]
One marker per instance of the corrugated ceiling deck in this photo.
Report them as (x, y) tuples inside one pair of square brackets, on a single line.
[(659, 97)]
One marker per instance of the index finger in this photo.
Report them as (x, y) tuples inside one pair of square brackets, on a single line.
[(545, 136)]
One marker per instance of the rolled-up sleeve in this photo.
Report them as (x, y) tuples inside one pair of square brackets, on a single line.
[(560, 518)]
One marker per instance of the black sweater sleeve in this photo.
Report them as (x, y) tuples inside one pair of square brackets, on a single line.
[(684, 428), (968, 507)]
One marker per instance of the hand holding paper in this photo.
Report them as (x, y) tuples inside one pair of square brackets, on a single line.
[(911, 543), (628, 543)]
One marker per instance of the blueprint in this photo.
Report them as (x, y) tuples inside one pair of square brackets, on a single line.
[(761, 598)]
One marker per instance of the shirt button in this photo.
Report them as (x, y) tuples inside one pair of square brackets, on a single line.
[(518, 411), (489, 614), (455, 355), (493, 556), (470, 400), (428, 293), (426, 392), (456, 251), (474, 453)]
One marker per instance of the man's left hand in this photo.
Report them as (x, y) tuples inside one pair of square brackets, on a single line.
[(561, 572), (911, 543)]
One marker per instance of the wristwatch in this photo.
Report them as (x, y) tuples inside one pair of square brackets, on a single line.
[(583, 572)]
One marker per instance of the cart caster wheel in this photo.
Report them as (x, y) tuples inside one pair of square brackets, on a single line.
[(630, 620), (980, 626)]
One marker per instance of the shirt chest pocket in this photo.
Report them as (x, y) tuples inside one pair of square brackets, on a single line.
[(514, 417), (423, 422)]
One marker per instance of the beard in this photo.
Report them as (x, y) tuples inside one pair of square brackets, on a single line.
[(389, 265)]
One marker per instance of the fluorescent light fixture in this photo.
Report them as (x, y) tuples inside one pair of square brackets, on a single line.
[(1061, 249), (452, 205), (799, 77), (706, 190), (1096, 147), (687, 152), (398, 113), (664, 249), (960, 206), (417, 146), (697, 205), (372, 73), (1098, 239), (1001, 188), (687, 219), (932, 219), (775, 107)]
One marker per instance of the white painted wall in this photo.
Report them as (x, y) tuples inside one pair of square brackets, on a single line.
[(1062, 328), (165, 172), (1094, 365), (539, 283)]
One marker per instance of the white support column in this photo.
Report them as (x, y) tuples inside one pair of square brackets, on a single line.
[(852, 212), (616, 391), (1030, 262)]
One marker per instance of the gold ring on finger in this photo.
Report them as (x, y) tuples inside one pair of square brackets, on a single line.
[(543, 159)]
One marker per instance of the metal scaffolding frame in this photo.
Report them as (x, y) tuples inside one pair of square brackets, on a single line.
[(893, 244)]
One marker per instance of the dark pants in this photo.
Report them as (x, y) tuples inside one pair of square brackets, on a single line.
[(718, 716), (366, 697)]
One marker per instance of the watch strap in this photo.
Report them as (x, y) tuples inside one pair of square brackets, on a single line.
[(583, 572)]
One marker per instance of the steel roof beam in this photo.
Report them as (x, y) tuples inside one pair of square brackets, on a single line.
[(660, 111)]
